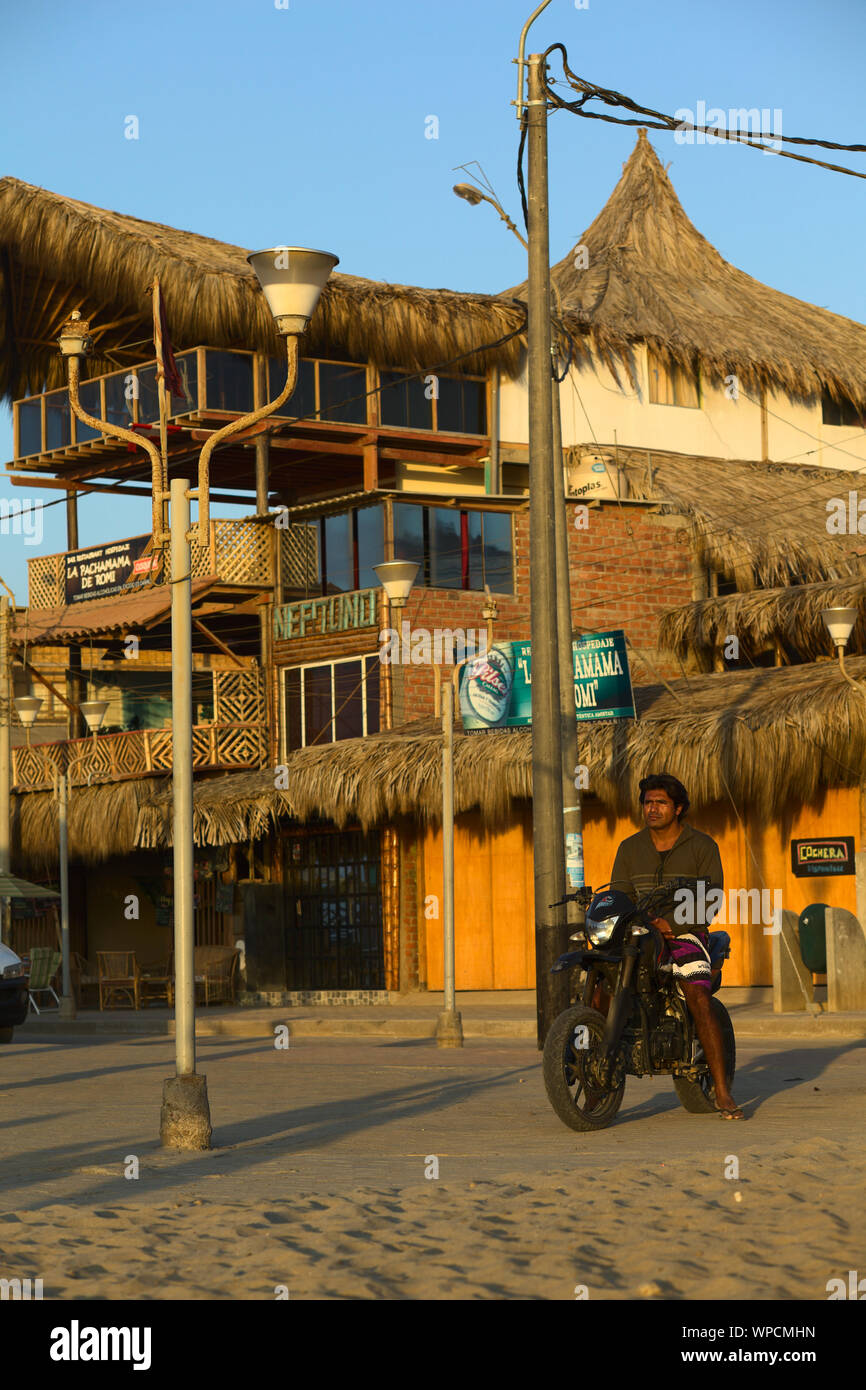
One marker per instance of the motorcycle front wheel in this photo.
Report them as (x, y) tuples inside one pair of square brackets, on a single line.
[(571, 1050)]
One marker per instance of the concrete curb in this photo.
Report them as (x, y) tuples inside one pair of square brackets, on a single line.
[(817, 1027)]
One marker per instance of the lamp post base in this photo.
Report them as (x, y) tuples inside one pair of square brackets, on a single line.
[(184, 1121), (66, 1007), (449, 1029)]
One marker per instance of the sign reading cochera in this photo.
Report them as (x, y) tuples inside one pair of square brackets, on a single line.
[(816, 858), (496, 688)]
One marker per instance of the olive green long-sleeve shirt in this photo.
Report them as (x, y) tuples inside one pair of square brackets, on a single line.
[(638, 867)]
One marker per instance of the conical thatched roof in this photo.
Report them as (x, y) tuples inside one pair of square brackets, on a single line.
[(652, 277), (764, 523), (57, 254), (792, 615)]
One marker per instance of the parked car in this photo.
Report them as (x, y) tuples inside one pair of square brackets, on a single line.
[(13, 993)]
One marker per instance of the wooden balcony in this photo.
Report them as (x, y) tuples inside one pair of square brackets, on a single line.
[(237, 737), (240, 553), (136, 753)]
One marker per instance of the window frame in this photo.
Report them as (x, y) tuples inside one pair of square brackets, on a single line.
[(425, 570), (673, 372), (303, 666)]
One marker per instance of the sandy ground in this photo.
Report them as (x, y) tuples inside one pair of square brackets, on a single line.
[(331, 1201)]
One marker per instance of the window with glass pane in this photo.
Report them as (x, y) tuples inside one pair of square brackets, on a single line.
[(402, 402), (498, 552), (88, 394), (372, 668), (302, 402), (409, 531), (348, 699), (339, 554), (119, 394), (318, 706), (229, 381), (57, 427), (446, 551), (29, 428), (187, 370), (294, 738), (342, 393), (462, 406), (475, 540), (148, 396), (371, 545)]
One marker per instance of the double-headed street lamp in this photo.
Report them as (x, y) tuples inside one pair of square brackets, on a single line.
[(292, 279)]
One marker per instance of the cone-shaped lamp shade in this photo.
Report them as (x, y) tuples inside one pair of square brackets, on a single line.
[(28, 706), (292, 278), (839, 622), (94, 712), (397, 578)]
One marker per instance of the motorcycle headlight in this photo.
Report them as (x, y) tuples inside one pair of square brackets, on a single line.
[(11, 972), (600, 929)]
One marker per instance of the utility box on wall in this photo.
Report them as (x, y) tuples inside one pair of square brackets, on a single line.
[(264, 936)]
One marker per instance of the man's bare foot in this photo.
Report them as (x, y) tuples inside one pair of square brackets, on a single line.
[(728, 1109)]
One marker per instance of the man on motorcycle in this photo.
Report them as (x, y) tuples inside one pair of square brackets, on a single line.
[(666, 849)]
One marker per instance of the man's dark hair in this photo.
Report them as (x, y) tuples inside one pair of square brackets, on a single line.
[(663, 782)]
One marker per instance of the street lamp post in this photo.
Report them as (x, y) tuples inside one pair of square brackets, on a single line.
[(397, 578), (292, 279)]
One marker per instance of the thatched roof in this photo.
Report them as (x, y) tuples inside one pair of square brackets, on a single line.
[(764, 523), (793, 616), (652, 277), (805, 724), (101, 823), (57, 254)]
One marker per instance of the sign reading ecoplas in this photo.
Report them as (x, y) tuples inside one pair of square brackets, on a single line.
[(496, 688)]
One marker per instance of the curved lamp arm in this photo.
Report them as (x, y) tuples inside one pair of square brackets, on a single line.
[(234, 427), (521, 60), (120, 432)]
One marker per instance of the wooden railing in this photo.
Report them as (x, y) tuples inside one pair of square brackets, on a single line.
[(136, 753), (239, 552)]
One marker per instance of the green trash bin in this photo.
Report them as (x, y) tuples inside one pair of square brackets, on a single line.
[(812, 931)]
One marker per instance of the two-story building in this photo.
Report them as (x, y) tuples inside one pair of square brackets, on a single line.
[(706, 419)]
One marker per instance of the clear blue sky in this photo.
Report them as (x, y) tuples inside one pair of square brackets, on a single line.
[(261, 125)]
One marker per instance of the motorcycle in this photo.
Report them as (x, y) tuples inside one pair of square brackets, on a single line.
[(632, 1018)]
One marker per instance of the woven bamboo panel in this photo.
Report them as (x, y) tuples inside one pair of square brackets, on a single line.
[(299, 554), (45, 581), (34, 767), (239, 697), (243, 552), (200, 562)]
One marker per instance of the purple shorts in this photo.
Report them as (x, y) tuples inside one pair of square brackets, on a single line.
[(690, 956)]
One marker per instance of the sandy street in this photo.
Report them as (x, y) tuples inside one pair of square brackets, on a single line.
[(316, 1185)]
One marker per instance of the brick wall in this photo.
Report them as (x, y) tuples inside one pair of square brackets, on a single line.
[(626, 569)]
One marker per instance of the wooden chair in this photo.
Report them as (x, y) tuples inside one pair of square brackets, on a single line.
[(157, 982), (118, 975), (215, 970), (85, 982)]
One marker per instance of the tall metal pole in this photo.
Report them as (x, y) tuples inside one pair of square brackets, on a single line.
[(572, 810), (449, 1029), (185, 1120), (76, 727), (67, 1002), (547, 818), (5, 745)]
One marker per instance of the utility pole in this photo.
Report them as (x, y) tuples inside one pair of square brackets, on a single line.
[(185, 1118), (449, 1029), (75, 723), (547, 765)]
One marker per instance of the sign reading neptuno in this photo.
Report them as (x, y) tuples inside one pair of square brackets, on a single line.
[(312, 617), (104, 570), (496, 688), (816, 858)]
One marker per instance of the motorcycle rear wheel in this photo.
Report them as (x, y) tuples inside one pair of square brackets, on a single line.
[(577, 1104), (699, 1097)]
